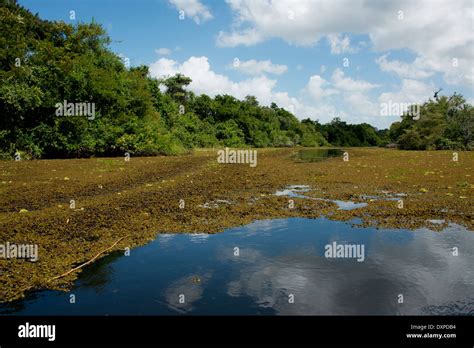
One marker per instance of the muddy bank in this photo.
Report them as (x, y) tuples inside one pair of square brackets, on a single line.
[(130, 202)]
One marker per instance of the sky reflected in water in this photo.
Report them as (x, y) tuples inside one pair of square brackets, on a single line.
[(204, 274)]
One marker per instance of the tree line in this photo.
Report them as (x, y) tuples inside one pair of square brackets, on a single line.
[(445, 123), (47, 64)]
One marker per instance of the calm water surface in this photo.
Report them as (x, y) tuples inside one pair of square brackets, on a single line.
[(317, 155), (276, 259)]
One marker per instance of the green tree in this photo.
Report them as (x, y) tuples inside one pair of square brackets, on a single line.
[(175, 87)]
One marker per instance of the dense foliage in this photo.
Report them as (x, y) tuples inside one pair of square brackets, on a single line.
[(43, 63), (444, 123), (339, 133)]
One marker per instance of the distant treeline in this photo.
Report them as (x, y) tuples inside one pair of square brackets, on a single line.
[(64, 93)]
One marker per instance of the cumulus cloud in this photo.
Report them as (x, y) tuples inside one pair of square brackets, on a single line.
[(340, 44), (316, 87), (355, 94), (344, 83), (365, 108), (439, 33), (352, 94), (258, 67), (412, 92), (415, 70), (194, 9), (205, 80)]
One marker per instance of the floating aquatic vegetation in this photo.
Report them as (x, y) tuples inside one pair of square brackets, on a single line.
[(67, 238)]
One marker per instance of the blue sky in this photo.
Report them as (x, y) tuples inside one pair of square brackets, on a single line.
[(293, 52)]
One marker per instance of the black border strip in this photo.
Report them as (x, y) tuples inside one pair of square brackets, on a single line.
[(223, 330)]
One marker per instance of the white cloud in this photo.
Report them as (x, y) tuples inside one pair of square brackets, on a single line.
[(163, 67), (415, 70), (362, 108), (412, 92), (194, 9), (437, 31), (350, 85), (245, 37), (316, 87), (258, 67), (355, 95), (352, 95), (205, 80), (340, 44), (163, 51)]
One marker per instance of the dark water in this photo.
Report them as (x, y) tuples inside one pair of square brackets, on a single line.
[(316, 155), (277, 258)]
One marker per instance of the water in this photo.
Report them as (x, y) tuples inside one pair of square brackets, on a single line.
[(317, 155), (277, 258), (294, 191)]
